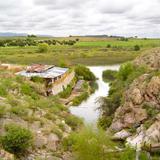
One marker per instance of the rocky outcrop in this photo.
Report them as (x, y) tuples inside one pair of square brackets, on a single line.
[(151, 59), (140, 111)]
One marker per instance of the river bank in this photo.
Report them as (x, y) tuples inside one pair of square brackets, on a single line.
[(88, 110)]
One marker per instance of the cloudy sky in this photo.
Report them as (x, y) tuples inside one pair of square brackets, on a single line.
[(81, 17)]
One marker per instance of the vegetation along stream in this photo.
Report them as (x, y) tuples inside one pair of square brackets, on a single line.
[(88, 109)]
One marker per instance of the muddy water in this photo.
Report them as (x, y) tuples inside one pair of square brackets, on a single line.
[(88, 109)]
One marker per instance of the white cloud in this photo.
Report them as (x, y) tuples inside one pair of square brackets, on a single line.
[(73, 17)]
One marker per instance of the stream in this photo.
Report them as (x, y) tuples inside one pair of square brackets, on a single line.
[(87, 110)]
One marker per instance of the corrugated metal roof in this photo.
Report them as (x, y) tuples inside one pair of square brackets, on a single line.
[(50, 73)]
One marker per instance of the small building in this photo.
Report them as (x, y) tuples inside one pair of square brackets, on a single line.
[(56, 78)]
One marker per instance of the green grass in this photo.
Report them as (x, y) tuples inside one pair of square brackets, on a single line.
[(71, 54), (117, 43), (93, 52)]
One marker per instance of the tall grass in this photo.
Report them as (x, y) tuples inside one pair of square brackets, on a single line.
[(93, 144)]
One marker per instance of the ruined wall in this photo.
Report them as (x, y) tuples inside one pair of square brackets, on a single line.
[(62, 83)]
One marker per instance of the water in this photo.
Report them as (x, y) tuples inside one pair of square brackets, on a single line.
[(88, 109)]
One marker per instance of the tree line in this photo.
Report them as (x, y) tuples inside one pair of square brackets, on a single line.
[(32, 42)]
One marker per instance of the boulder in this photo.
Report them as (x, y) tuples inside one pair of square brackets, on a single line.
[(52, 142), (40, 141), (136, 141), (122, 135), (5, 155), (136, 96)]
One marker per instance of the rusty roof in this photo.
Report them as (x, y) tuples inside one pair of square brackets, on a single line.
[(44, 71), (38, 68)]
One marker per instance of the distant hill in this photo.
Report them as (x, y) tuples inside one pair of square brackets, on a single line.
[(12, 34), (99, 36)]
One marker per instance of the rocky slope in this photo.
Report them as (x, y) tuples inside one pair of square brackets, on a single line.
[(22, 102), (137, 119)]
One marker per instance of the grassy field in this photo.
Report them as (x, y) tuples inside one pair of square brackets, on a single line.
[(88, 51), (124, 44)]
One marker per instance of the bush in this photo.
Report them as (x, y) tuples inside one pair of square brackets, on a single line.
[(89, 144), (17, 139), (66, 92), (2, 111), (109, 75), (78, 100), (19, 110), (93, 86), (128, 154), (108, 46), (73, 121), (136, 48), (26, 89), (82, 71), (37, 79), (3, 91), (43, 47), (125, 70)]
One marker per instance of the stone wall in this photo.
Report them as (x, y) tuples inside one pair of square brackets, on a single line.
[(62, 83)]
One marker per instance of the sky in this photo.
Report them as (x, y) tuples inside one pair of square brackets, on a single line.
[(81, 17)]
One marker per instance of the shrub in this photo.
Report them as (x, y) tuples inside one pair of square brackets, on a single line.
[(73, 121), (37, 79), (125, 70), (89, 144), (78, 100), (19, 110), (66, 92), (108, 46), (136, 48), (2, 111), (26, 89), (93, 86), (105, 122), (109, 75), (84, 72), (128, 154), (3, 91), (43, 47), (17, 139)]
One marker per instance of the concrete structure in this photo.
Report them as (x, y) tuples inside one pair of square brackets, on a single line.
[(56, 78)]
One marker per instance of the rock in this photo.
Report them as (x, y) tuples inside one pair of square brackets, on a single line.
[(116, 126), (40, 141), (151, 59), (153, 134), (122, 135), (141, 103), (67, 156), (136, 141), (53, 158), (35, 125), (5, 155), (136, 96), (153, 87), (52, 142)]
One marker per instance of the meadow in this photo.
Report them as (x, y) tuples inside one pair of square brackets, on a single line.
[(87, 51)]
